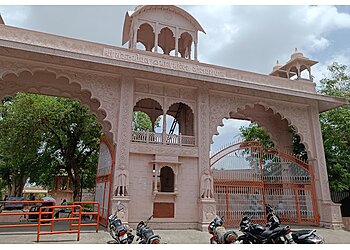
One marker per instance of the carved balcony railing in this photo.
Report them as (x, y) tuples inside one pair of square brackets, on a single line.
[(158, 138)]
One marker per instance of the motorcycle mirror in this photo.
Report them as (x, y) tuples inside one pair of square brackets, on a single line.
[(118, 203), (150, 217)]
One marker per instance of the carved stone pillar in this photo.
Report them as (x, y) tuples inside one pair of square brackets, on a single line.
[(330, 214), (155, 180), (164, 127), (207, 207), (134, 42), (124, 125), (156, 37), (177, 42)]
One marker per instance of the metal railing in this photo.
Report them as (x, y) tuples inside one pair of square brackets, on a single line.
[(51, 220), (158, 138), (97, 214)]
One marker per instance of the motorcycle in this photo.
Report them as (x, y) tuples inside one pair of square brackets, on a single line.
[(145, 233), (274, 233), (219, 233), (299, 236), (120, 233), (257, 234)]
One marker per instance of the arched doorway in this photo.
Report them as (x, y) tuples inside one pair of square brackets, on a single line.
[(51, 83), (248, 175)]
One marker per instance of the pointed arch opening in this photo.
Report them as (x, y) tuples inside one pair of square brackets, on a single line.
[(145, 36), (166, 40), (185, 45)]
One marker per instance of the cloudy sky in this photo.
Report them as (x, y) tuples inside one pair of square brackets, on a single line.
[(245, 37)]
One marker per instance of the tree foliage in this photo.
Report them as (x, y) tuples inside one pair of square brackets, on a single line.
[(254, 132), (44, 136), (142, 122), (335, 125)]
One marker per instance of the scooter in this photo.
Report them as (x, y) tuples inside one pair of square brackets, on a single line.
[(120, 233), (219, 233), (145, 233)]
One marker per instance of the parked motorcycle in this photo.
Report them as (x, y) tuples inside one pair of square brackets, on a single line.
[(145, 233), (219, 233), (120, 233), (257, 234), (299, 236), (274, 233)]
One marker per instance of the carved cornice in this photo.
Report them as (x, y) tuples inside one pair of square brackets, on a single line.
[(143, 148)]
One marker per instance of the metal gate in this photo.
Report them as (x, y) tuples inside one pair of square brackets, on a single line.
[(104, 177), (247, 176)]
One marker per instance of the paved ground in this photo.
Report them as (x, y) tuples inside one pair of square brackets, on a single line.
[(88, 236)]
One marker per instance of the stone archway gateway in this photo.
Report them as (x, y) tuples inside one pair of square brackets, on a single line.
[(112, 81)]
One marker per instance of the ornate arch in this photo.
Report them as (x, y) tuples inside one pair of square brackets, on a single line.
[(139, 97), (42, 80), (171, 101), (296, 116)]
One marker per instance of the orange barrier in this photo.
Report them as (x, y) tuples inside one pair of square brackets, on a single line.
[(3, 214), (88, 213), (52, 220)]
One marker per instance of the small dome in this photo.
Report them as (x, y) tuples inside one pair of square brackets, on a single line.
[(296, 54), (277, 66)]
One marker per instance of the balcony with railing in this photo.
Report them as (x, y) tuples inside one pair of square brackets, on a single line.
[(162, 138)]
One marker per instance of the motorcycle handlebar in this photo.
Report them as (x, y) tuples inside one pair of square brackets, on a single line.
[(149, 218)]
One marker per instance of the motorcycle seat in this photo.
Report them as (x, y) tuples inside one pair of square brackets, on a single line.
[(302, 233), (267, 233)]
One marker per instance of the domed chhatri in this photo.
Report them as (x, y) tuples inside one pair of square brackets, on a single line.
[(294, 67), (162, 27)]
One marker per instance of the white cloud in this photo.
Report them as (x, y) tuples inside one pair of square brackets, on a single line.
[(259, 35), (228, 133), (15, 15), (319, 71)]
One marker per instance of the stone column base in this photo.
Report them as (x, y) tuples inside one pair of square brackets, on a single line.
[(124, 204), (330, 216), (207, 212)]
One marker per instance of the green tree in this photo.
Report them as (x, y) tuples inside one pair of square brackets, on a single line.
[(254, 132), (44, 136), (19, 143), (335, 125), (142, 122)]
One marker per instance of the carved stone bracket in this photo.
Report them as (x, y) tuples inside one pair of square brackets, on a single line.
[(123, 214), (207, 211)]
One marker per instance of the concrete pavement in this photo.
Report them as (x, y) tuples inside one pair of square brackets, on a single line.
[(89, 236)]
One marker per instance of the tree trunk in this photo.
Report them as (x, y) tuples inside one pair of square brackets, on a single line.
[(76, 186), (17, 185)]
